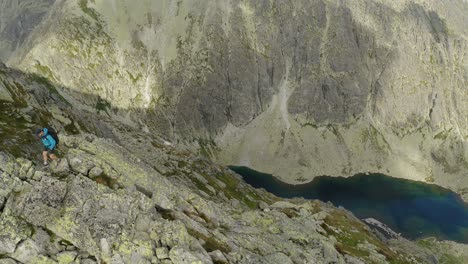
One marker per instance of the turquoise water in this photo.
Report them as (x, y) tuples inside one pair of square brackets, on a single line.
[(415, 209)]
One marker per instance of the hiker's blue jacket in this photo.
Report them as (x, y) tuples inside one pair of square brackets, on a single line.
[(48, 140)]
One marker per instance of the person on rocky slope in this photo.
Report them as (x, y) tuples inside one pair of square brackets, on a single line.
[(49, 139)]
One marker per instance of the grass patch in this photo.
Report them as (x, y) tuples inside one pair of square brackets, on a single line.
[(102, 105), (201, 186), (71, 129), (310, 125), (107, 181), (211, 243), (442, 252), (182, 164), (375, 137), (89, 11), (207, 147), (350, 233), (429, 179), (233, 191), (44, 71), (136, 78), (17, 94), (16, 135), (443, 134)]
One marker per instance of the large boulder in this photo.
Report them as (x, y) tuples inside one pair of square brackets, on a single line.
[(60, 168)]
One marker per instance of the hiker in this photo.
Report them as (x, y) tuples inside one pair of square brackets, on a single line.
[(49, 139)]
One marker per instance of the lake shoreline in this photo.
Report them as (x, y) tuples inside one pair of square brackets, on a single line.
[(295, 182), (413, 208)]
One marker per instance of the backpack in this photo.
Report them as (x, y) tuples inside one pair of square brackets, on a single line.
[(53, 134)]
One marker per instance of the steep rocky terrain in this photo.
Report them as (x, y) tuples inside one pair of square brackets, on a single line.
[(315, 87), (102, 204), (147, 94), (138, 198)]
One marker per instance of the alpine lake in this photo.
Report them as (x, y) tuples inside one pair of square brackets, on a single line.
[(414, 209)]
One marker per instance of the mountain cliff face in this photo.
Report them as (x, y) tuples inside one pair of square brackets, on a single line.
[(295, 89), (137, 198), (17, 19)]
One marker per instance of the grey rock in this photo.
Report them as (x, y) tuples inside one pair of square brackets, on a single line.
[(26, 251), (47, 195), (7, 261), (8, 164), (95, 172), (278, 258), (221, 184), (42, 240), (105, 249), (218, 257), (212, 190), (381, 228), (70, 248), (81, 166), (162, 253), (5, 94), (23, 187), (83, 255), (25, 171), (154, 260), (142, 223), (87, 261), (7, 245), (175, 233), (330, 253), (117, 259), (54, 247), (30, 173), (163, 202), (353, 260), (262, 205), (182, 255), (67, 257), (38, 175), (235, 203), (61, 169), (283, 204), (200, 178)]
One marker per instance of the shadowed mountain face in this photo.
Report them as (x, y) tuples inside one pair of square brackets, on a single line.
[(17, 19), (298, 89)]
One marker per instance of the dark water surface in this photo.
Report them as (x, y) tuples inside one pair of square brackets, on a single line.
[(412, 208)]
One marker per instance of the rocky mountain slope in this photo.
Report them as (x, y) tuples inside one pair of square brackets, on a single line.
[(137, 198), (295, 89)]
